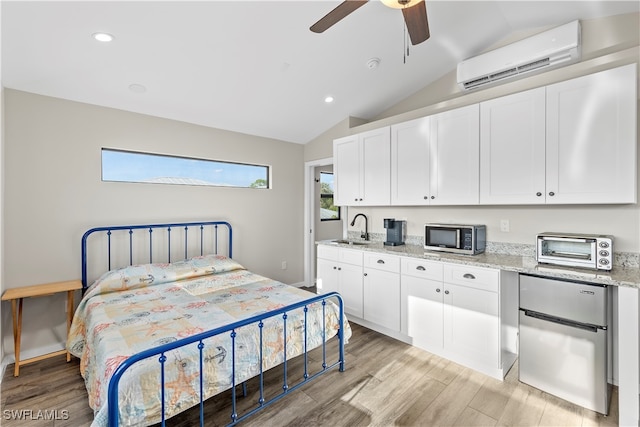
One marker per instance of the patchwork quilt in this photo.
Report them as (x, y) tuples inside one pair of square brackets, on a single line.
[(143, 306)]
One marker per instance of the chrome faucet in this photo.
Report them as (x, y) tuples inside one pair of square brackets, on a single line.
[(365, 233)]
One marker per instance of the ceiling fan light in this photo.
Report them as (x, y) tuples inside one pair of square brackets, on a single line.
[(400, 4)]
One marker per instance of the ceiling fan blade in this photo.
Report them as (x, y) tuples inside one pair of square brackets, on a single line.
[(417, 25), (341, 11)]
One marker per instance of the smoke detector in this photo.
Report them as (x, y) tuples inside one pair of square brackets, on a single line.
[(373, 63)]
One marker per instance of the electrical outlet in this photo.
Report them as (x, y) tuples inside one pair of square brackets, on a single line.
[(284, 265), (504, 225)]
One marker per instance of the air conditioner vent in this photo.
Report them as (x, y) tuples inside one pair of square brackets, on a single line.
[(504, 74), (534, 65), (478, 82), (557, 47)]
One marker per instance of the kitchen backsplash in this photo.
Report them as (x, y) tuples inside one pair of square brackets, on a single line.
[(620, 259)]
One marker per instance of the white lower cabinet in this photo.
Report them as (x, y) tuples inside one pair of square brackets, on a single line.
[(382, 290), (340, 270), (466, 314)]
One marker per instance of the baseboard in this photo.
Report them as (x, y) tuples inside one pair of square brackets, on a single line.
[(299, 285), (28, 354)]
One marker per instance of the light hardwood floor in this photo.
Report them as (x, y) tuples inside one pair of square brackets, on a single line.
[(385, 383)]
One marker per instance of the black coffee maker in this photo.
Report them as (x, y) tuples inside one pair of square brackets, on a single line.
[(396, 232)]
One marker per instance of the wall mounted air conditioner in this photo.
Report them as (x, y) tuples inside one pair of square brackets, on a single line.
[(550, 49)]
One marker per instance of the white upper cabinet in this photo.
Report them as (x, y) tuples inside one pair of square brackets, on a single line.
[(434, 159), (455, 164), (410, 162), (591, 138), (572, 142), (363, 168), (346, 166), (567, 143), (512, 149)]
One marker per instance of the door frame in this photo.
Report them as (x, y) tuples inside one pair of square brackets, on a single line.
[(310, 217)]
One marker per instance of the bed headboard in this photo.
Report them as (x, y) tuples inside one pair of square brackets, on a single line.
[(120, 245)]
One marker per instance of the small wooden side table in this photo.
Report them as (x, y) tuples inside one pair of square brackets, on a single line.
[(16, 295)]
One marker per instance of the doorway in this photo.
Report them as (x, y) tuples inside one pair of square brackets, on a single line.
[(321, 221)]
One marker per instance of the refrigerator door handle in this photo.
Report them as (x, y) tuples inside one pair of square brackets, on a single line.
[(560, 321)]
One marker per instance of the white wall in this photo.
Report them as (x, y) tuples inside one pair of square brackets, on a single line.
[(607, 43), (54, 192)]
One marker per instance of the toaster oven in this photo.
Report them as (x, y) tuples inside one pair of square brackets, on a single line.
[(575, 250)]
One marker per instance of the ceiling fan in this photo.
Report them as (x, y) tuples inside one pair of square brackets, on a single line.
[(414, 11)]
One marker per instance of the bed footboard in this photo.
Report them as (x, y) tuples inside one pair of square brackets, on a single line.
[(231, 329)]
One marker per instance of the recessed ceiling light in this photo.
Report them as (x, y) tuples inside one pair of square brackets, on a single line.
[(102, 37), (328, 99), (137, 88)]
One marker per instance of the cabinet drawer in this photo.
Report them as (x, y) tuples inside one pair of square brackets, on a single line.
[(423, 269), (350, 256), (473, 277), (327, 252), (383, 262)]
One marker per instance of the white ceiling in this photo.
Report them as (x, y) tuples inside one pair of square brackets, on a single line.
[(253, 66)]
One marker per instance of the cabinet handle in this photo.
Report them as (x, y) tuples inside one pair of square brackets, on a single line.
[(426, 197), (551, 193), (365, 274), (380, 261), (421, 268), (469, 276), (437, 289), (433, 197), (355, 200), (335, 268), (339, 268), (538, 194), (360, 199), (446, 292)]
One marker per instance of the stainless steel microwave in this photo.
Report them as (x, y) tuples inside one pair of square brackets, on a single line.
[(456, 238)]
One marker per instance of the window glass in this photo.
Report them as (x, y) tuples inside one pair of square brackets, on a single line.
[(130, 166), (328, 211)]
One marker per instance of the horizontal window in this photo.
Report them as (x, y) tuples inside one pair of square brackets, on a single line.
[(131, 166)]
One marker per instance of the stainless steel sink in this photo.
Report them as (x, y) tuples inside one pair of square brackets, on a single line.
[(352, 242)]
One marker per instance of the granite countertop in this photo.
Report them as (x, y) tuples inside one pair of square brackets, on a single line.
[(618, 276)]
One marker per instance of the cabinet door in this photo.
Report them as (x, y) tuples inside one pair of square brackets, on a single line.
[(346, 164), (327, 280), (376, 167), (382, 298), (350, 287), (410, 162), (422, 311), (455, 157), (472, 323), (512, 149), (591, 138)]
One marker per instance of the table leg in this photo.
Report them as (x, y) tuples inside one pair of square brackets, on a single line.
[(16, 312), (69, 318)]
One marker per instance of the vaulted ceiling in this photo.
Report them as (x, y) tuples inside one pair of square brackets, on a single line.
[(253, 66)]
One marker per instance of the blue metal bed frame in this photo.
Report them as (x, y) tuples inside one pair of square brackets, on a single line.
[(113, 409), (150, 227)]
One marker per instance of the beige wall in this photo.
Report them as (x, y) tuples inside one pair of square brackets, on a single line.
[(607, 42), (54, 193)]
